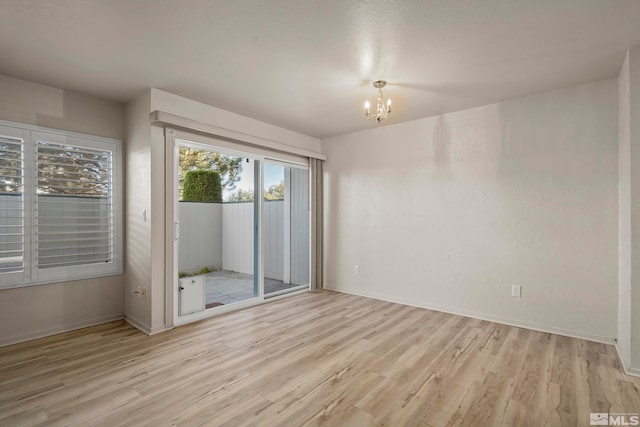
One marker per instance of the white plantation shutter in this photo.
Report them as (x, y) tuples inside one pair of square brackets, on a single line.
[(59, 206), (74, 216), (12, 201), (74, 209)]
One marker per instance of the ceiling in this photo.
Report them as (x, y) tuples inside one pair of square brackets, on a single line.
[(308, 65)]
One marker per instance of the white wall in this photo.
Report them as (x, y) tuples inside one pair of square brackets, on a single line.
[(138, 199), (36, 311), (36, 104), (634, 118), (449, 212), (629, 304), (158, 227), (624, 217)]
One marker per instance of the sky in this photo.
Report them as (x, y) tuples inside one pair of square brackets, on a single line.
[(273, 174)]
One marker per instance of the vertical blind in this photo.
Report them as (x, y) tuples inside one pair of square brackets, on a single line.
[(11, 204)]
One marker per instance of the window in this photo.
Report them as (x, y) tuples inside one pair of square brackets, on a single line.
[(59, 206)]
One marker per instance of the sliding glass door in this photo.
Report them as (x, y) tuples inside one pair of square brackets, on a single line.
[(241, 229)]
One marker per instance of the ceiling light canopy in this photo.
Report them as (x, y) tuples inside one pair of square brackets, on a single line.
[(383, 109)]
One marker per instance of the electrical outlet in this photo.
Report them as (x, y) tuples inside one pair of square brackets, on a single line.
[(141, 291), (356, 269), (516, 291)]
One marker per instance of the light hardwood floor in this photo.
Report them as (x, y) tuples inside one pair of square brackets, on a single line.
[(314, 359)]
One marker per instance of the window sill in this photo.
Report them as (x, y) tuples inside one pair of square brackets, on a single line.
[(59, 281)]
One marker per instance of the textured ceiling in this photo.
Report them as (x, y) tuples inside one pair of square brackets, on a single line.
[(308, 65)]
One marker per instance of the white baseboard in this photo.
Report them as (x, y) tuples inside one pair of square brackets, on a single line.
[(481, 316), (634, 372), (58, 330), (142, 327), (139, 325), (159, 329)]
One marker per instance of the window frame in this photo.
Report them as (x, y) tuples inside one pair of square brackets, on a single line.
[(31, 275)]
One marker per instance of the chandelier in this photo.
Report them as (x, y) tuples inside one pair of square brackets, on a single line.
[(383, 109)]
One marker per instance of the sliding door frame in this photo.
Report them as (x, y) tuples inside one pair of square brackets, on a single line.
[(171, 196), (287, 206)]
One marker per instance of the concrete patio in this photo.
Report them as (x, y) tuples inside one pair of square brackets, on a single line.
[(226, 287)]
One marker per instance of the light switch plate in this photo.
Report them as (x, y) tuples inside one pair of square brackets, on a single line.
[(516, 291)]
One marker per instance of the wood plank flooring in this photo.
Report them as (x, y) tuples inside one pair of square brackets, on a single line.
[(314, 359)]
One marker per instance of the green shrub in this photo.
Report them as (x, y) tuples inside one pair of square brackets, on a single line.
[(204, 270), (202, 186)]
